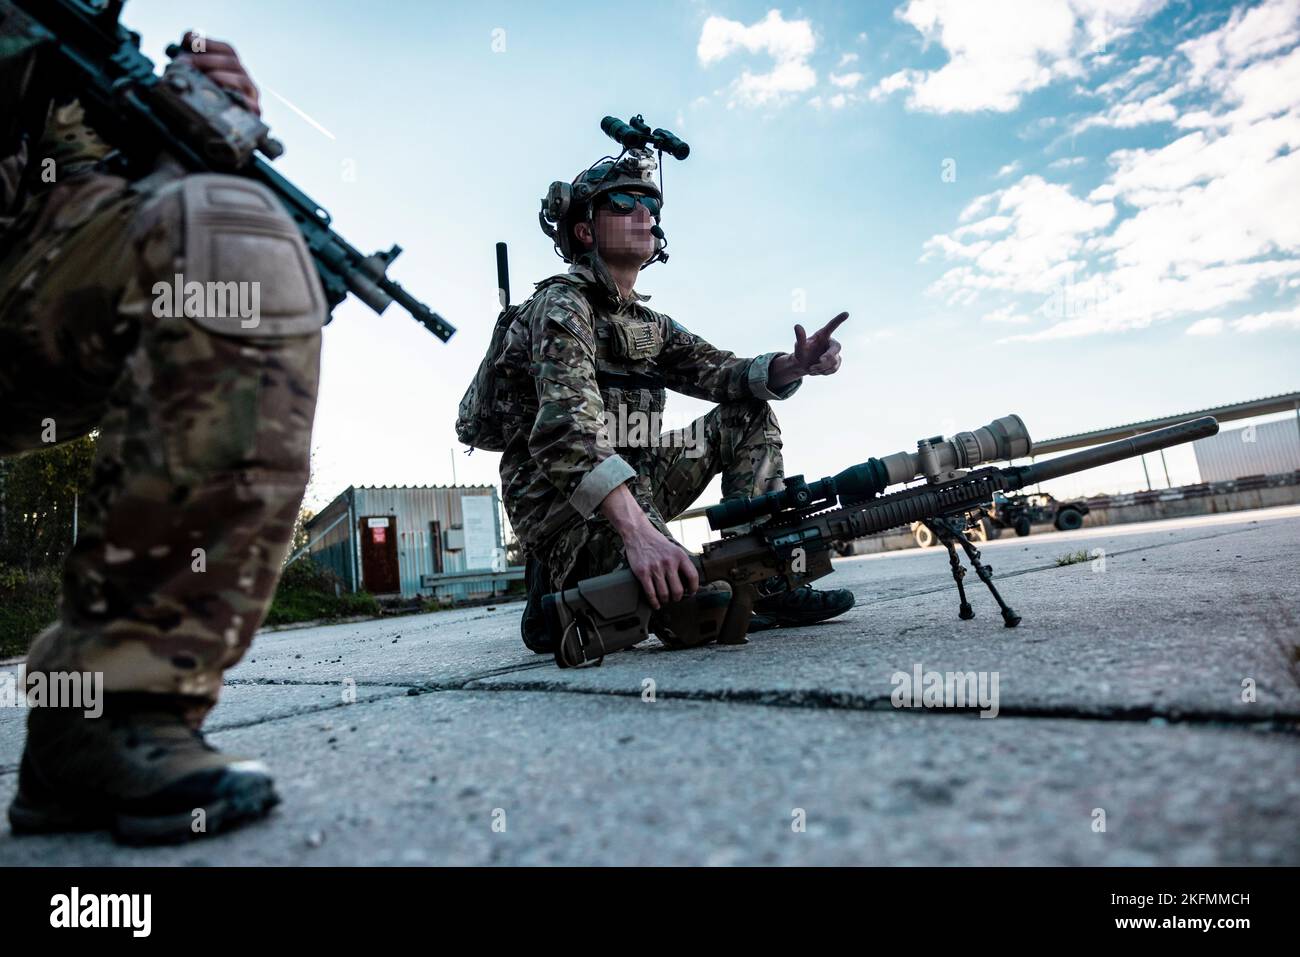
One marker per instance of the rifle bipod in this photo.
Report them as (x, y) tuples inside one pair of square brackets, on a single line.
[(951, 532)]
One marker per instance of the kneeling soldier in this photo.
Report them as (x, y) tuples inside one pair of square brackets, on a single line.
[(588, 482), (204, 422)]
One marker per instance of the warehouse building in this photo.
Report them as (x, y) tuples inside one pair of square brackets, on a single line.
[(438, 541), (1272, 448)]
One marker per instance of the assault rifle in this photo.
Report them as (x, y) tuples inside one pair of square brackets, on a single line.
[(788, 536), (204, 127)]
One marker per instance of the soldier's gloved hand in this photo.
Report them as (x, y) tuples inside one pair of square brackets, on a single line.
[(818, 354), (663, 567), (221, 63)]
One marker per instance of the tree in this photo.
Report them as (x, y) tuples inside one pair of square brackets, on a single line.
[(301, 538), (39, 497)]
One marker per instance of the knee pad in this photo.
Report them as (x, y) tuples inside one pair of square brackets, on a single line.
[(233, 350), (238, 266)]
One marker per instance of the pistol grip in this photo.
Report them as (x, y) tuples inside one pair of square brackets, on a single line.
[(736, 624)]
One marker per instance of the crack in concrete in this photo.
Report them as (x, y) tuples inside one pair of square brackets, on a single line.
[(820, 699)]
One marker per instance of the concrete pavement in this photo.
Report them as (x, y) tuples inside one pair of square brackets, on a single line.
[(1119, 699)]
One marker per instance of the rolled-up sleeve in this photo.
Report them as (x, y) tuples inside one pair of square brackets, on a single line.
[(759, 383), (599, 482)]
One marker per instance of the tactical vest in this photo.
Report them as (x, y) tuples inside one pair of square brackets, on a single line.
[(500, 400)]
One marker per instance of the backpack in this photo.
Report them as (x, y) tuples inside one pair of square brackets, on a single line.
[(486, 419)]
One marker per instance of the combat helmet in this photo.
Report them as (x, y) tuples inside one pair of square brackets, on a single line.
[(567, 204)]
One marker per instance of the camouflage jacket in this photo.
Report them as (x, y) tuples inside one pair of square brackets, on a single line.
[(578, 353)]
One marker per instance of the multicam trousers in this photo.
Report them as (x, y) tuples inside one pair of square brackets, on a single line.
[(739, 440), (203, 445)]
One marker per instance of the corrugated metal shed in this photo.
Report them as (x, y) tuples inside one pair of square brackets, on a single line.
[(333, 540), (1268, 449), (428, 525)]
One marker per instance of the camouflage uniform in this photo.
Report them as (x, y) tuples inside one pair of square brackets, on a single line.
[(204, 424), (579, 352)]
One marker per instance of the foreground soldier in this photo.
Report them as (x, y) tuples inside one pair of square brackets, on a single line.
[(585, 364), (202, 456)]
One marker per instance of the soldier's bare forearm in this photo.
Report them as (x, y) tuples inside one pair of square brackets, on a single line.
[(783, 370), (662, 567), (622, 511)]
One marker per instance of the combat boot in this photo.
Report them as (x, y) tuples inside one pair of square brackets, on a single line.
[(532, 626), (802, 606), (139, 770)]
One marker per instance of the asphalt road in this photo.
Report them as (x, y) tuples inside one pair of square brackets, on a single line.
[(1119, 702)]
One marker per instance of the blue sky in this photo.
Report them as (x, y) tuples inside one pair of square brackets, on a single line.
[(1084, 212)]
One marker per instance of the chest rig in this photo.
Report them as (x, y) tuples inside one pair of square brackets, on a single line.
[(628, 344)]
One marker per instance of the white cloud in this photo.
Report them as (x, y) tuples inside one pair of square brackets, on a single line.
[(1248, 35), (894, 82), (846, 59), (1127, 80), (788, 42), (1008, 169), (1237, 63), (1130, 113), (1043, 229), (999, 50), (1255, 322), (1206, 222), (1258, 322), (846, 81), (1007, 314), (1065, 162), (836, 101), (1211, 326)]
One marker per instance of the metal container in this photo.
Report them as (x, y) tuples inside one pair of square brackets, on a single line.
[(388, 539), (1272, 448)]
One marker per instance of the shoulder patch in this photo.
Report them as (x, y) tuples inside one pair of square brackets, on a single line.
[(565, 306), (678, 332)]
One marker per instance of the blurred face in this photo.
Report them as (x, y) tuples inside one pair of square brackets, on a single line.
[(622, 237)]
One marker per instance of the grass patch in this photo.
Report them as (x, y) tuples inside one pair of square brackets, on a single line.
[(1073, 558), (308, 592), (28, 602)]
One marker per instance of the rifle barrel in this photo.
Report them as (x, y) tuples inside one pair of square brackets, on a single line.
[(1200, 428)]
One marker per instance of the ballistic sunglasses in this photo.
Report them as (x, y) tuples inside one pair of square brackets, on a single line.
[(624, 203)]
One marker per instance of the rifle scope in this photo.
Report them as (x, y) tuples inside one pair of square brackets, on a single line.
[(936, 459)]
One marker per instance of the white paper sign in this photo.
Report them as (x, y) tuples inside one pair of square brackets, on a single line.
[(480, 532)]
